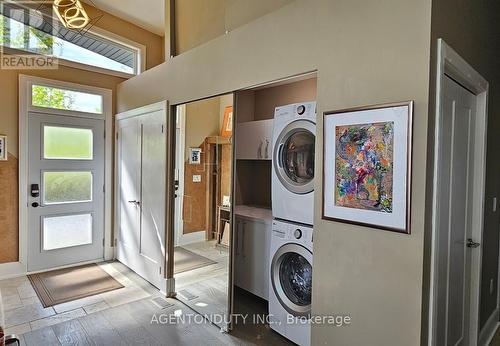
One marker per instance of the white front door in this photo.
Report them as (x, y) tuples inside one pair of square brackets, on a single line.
[(454, 226), (66, 190), (141, 148)]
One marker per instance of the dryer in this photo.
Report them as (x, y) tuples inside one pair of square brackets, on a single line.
[(293, 162), (290, 287)]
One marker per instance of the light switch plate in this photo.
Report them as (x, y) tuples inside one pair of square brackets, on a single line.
[(196, 178)]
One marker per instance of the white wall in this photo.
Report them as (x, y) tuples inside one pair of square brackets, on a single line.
[(365, 52)]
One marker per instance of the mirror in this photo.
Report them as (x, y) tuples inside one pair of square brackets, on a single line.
[(203, 184)]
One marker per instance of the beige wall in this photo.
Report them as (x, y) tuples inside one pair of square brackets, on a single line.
[(199, 21), (202, 120), (9, 101), (365, 52), (471, 28)]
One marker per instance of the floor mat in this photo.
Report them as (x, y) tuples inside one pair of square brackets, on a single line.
[(185, 260), (64, 285)]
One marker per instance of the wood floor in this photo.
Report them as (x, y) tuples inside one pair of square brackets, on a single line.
[(128, 316)]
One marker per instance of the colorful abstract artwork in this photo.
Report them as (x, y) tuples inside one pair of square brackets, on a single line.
[(367, 166), (364, 166)]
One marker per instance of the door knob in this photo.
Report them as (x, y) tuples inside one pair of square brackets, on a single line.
[(472, 244), (35, 204)]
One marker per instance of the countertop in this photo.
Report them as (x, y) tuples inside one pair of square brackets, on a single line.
[(255, 213)]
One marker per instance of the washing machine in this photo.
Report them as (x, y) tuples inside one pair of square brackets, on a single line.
[(293, 162), (290, 287)]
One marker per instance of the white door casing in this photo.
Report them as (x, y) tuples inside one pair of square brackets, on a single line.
[(472, 93), (141, 191)]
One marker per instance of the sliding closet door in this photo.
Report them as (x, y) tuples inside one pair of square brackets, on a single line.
[(140, 200)]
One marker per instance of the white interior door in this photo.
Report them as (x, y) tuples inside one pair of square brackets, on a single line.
[(141, 164), (66, 190), (454, 226)]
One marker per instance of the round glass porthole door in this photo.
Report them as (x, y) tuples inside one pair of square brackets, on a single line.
[(294, 157), (291, 276)]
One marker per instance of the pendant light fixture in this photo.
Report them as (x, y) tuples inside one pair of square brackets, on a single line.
[(71, 13)]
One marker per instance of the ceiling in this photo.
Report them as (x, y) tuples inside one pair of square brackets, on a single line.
[(147, 14)]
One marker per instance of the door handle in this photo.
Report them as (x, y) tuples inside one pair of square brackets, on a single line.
[(472, 244), (136, 203), (243, 252), (238, 236), (278, 156)]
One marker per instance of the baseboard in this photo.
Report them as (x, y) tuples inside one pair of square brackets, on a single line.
[(194, 237), (12, 270), (489, 329)]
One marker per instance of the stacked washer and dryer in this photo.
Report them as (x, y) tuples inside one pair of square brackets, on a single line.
[(291, 250)]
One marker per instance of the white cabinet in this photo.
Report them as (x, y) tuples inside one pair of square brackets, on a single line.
[(252, 256), (254, 140)]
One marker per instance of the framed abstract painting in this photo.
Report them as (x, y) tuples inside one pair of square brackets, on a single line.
[(367, 166)]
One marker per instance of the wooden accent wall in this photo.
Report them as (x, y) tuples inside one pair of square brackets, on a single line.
[(225, 171), (9, 206), (194, 209)]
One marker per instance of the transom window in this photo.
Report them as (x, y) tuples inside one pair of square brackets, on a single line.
[(31, 31), (64, 99)]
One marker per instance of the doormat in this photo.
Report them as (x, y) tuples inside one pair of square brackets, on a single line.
[(185, 260), (65, 285)]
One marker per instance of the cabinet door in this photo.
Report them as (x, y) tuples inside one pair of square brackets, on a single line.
[(254, 140), (238, 258), (255, 257)]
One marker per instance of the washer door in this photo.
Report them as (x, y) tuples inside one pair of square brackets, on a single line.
[(291, 277), (294, 156)]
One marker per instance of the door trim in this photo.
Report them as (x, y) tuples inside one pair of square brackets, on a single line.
[(453, 65), (25, 83), (158, 106)]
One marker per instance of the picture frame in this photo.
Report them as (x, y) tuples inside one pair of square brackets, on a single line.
[(4, 155), (195, 156), (227, 125), (367, 156)]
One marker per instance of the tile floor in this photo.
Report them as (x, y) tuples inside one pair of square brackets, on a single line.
[(126, 316), (496, 339), (24, 311), (205, 289)]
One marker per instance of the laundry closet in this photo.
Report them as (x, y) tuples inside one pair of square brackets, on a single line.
[(274, 141)]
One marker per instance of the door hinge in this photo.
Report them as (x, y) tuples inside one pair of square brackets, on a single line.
[(160, 270), (116, 242), (104, 188), (103, 242), (104, 134), (162, 128)]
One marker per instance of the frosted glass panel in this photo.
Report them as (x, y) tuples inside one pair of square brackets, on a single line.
[(66, 231), (67, 143), (67, 187)]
